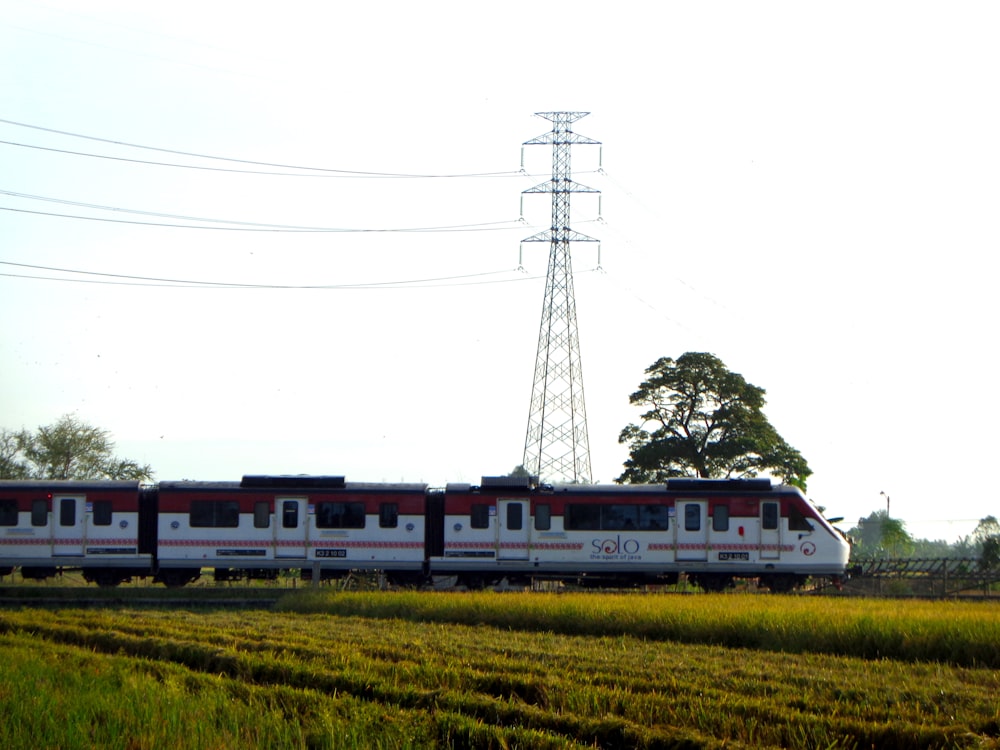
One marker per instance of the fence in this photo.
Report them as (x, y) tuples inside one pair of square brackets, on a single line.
[(943, 577)]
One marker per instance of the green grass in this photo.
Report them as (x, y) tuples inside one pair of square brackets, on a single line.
[(500, 670)]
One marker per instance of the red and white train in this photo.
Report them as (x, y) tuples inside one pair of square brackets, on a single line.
[(713, 531)]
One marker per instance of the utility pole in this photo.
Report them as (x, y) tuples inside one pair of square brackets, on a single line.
[(556, 448)]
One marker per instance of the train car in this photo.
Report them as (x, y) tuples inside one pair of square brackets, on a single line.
[(710, 530), (92, 525), (321, 524), (752, 528)]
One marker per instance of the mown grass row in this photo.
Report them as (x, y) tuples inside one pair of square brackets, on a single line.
[(62, 696), (952, 632), (451, 684)]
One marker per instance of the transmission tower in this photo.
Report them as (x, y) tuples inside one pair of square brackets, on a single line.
[(557, 448)]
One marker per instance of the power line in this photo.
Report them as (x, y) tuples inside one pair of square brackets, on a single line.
[(322, 170), (186, 166), (130, 280), (246, 226), (232, 170)]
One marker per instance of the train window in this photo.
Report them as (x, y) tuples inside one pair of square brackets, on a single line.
[(580, 517), (39, 513), (654, 518), (340, 515), (102, 513), (8, 512), (543, 517), (261, 514), (480, 516), (515, 516), (209, 513), (388, 515), (619, 517), (67, 512), (692, 517), (797, 520), (720, 518), (290, 514), (616, 517), (769, 516)]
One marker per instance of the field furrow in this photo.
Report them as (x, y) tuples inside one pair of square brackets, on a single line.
[(437, 682)]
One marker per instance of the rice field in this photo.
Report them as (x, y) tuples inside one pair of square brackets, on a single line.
[(527, 670)]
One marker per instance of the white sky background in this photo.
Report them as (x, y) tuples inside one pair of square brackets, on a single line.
[(807, 190)]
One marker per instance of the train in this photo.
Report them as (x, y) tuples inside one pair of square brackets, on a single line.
[(502, 530)]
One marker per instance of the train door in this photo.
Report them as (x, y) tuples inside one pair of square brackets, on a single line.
[(512, 529), (291, 527), (770, 530), (692, 530), (69, 534)]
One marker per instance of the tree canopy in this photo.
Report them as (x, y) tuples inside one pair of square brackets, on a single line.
[(703, 420), (68, 449), (880, 535)]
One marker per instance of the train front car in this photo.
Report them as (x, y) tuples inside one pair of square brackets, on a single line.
[(93, 526), (321, 525), (712, 531), (516, 529), (749, 528)]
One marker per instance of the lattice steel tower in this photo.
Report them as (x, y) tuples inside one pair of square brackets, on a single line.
[(557, 448)]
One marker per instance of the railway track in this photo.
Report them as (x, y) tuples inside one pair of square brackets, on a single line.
[(151, 597)]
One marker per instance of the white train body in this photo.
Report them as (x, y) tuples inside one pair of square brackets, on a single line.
[(81, 524), (712, 531)]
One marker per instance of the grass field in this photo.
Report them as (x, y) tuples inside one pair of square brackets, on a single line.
[(375, 669)]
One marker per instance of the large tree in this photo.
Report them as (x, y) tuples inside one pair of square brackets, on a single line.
[(68, 449), (700, 419)]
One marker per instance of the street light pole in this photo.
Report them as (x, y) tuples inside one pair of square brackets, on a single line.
[(886, 503)]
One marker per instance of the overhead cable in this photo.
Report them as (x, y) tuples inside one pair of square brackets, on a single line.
[(246, 226), (323, 170), (130, 280)]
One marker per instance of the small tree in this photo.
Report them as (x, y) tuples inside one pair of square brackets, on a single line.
[(986, 528), (987, 539), (12, 465), (68, 449), (703, 420), (880, 534)]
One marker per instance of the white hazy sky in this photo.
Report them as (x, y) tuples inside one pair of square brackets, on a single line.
[(807, 190)]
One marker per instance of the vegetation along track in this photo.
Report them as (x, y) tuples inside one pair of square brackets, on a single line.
[(525, 670)]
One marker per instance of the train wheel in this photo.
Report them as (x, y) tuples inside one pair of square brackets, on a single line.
[(106, 579), (444, 582), (406, 579), (472, 581), (712, 582), (781, 583), (176, 577)]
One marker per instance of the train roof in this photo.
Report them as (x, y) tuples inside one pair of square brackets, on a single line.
[(678, 486), (290, 483), (69, 484)]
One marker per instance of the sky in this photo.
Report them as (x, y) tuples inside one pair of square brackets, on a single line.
[(250, 237)]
